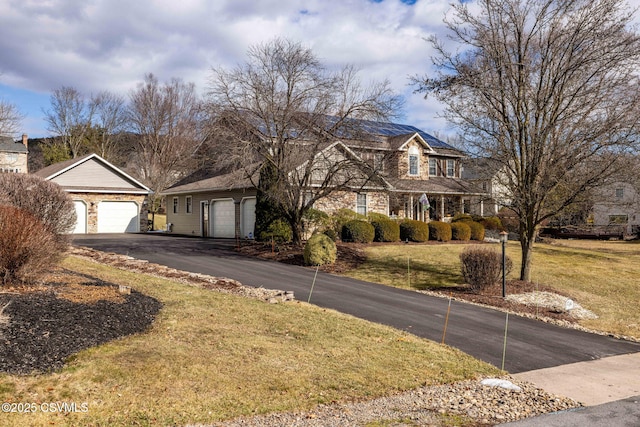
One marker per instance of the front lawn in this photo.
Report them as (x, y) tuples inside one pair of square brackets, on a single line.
[(211, 356), (602, 276)]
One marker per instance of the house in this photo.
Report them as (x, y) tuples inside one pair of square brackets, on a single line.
[(487, 175), (617, 205), (107, 200), (13, 155), (419, 177)]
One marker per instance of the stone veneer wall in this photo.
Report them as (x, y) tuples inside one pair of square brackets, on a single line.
[(403, 163), (377, 201), (20, 163), (93, 199)]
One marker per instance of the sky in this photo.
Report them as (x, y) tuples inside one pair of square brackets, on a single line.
[(95, 45)]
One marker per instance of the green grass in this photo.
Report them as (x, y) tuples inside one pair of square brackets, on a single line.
[(211, 356), (602, 276)]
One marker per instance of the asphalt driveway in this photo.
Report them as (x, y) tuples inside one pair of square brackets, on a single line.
[(475, 330)]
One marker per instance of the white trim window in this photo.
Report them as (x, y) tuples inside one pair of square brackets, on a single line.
[(188, 204), (176, 205), (414, 161), (433, 167), (451, 168), (361, 203)]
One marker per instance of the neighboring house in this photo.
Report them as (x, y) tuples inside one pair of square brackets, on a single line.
[(107, 200), (486, 174), (13, 155), (617, 204), (419, 177)]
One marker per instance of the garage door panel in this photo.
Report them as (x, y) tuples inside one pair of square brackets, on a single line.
[(118, 217), (248, 217), (81, 217), (223, 216)]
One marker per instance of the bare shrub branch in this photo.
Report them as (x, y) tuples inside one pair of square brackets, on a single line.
[(28, 250)]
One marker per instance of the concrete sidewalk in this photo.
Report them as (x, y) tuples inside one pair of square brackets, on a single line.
[(609, 387), (592, 383)]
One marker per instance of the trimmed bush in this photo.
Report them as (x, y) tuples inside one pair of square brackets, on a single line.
[(461, 231), (28, 249), (461, 217), (440, 231), (477, 230), (482, 266), (320, 250), (414, 231), (279, 230), (342, 216), (386, 230), (358, 231), (331, 233), (491, 223), (315, 219)]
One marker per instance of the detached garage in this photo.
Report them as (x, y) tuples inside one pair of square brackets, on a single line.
[(107, 200)]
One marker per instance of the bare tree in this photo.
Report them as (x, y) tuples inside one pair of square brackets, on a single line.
[(549, 89), (10, 119), (69, 117), (168, 120), (109, 121), (283, 111)]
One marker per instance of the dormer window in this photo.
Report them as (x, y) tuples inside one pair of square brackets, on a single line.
[(414, 161), (433, 167), (451, 168)]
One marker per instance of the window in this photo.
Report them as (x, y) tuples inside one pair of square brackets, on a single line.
[(451, 168), (175, 205), (619, 193), (189, 204), (414, 161), (433, 167), (361, 203)]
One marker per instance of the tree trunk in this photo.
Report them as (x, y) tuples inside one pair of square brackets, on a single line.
[(296, 230), (527, 237)]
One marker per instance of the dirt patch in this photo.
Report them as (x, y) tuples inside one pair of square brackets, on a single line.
[(43, 326)]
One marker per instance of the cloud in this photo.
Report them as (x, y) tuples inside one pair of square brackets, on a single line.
[(110, 44)]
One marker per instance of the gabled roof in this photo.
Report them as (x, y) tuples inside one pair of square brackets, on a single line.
[(8, 145), (92, 174)]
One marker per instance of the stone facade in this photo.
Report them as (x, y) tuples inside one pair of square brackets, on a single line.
[(93, 199), (376, 201), (413, 148), (13, 155)]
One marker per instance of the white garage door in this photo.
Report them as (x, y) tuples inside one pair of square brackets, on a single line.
[(223, 216), (248, 217), (81, 217), (118, 217)]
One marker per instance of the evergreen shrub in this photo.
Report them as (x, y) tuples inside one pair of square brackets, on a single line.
[(440, 231), (320, 250), (358, 231), (414, 231)]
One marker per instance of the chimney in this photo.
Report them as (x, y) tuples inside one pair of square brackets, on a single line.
[(25, 140)]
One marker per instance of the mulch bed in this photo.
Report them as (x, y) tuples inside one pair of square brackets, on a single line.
[(41, 327)]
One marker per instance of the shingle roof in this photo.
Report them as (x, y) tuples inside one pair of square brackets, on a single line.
[(234, 180), (60, 166), (435, 185), (7, 144)]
